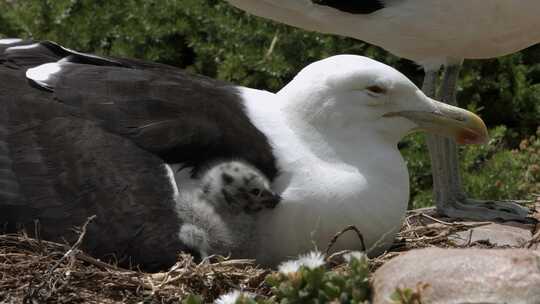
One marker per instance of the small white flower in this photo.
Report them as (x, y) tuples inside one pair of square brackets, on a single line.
[(232, 297), (289, 267), (354, 255), (312, 260)]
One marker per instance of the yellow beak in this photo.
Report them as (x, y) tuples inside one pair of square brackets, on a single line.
[(446, 120)]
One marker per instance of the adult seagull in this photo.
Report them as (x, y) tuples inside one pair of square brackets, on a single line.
[(83, 135), (433, 33)]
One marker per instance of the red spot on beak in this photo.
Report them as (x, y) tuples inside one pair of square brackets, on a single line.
[(467, 137)]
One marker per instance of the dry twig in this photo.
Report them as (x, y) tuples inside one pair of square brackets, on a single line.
[(339, 234)]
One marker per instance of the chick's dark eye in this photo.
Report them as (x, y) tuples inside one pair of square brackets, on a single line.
[(376, 89), (255, 191)]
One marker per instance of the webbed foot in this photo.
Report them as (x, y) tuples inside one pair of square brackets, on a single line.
[(485, 210)]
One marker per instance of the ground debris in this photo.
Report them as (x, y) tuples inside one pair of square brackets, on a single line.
[(423, 228), (38, 271), (35, 271)]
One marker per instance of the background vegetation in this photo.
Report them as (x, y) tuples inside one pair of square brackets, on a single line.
[(211, 38)]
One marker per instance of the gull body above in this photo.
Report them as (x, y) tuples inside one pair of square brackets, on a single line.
[(430, 32)]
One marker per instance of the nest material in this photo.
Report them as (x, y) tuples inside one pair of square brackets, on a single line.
[(37, 271), (423, 228)]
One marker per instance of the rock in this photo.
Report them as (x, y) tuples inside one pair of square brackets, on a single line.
[(507, 234), (462, 276)]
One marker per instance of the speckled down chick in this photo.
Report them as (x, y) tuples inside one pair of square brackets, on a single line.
[(219, 217)]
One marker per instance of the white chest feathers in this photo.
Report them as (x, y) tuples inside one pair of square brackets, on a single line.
[(325, 189)]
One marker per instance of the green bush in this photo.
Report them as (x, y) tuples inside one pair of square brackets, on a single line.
[(314, 284), (493, 171), (307, 281)]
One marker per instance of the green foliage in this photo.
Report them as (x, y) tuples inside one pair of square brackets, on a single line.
[(494, 171), (513, 173), (132, 28), (311, 284), (193, 299), (316, 285), (505, 91), (408, 295)]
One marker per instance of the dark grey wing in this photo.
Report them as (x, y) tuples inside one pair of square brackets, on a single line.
[(60, 169), (69, 168), (181, 117), (353, 6)]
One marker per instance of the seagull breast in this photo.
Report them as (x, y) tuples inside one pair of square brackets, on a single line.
[(334, 131)]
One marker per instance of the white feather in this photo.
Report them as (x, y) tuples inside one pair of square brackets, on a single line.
[(9, 41), (334, 172), (22, 47), (44, 72)]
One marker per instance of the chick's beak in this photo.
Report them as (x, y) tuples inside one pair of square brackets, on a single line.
[(446, 120), (270, 199)]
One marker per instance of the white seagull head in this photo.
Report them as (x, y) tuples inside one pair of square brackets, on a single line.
[(341, 95)]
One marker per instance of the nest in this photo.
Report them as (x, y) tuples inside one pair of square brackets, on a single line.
[(38, 271)]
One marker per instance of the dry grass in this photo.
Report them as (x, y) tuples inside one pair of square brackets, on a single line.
[(423, 229), (37, 271), (34, 271)]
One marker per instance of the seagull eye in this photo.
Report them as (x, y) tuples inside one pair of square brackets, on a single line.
[(376, 90), (255, 191)]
